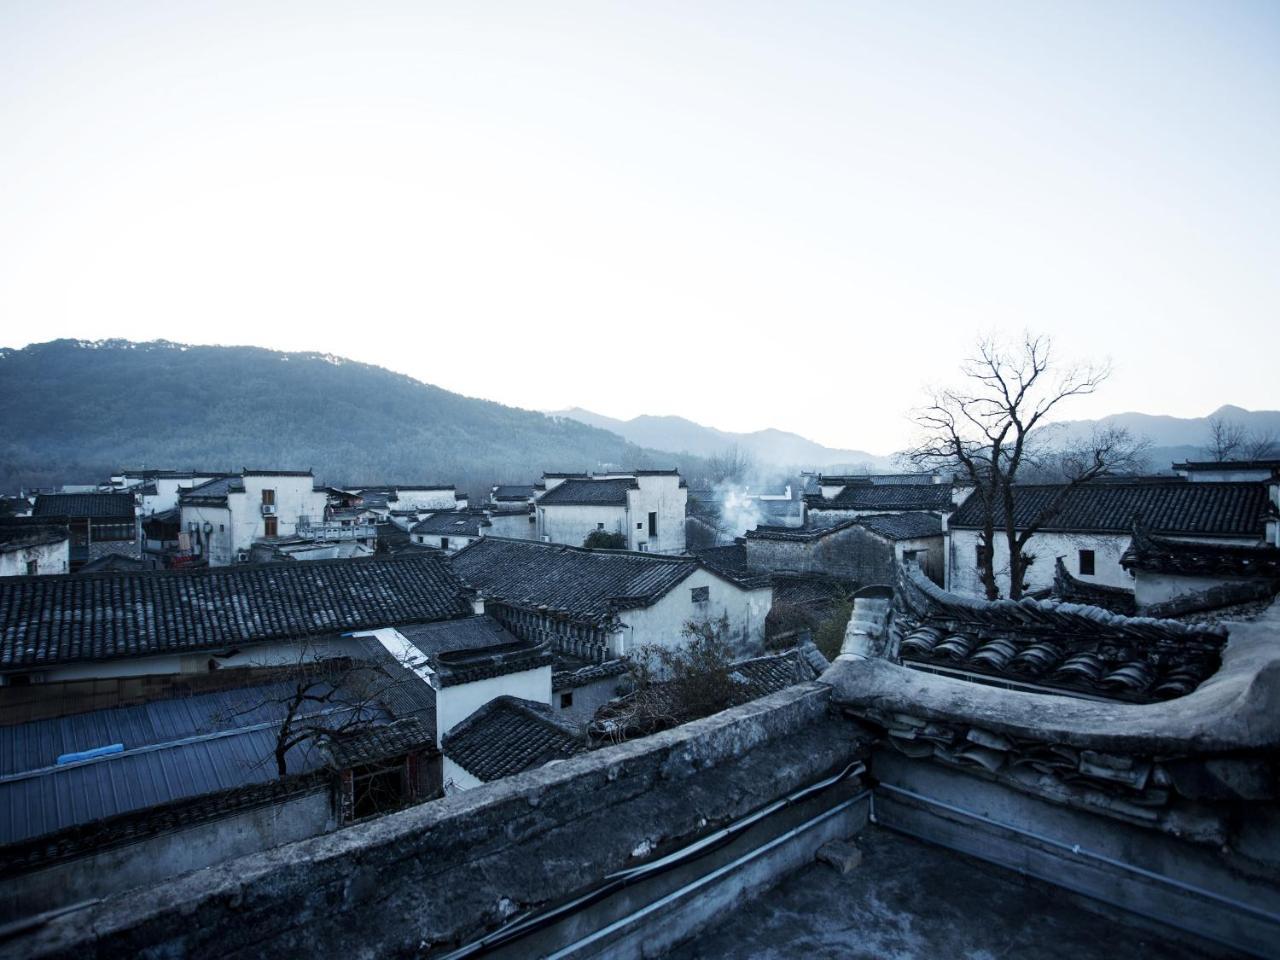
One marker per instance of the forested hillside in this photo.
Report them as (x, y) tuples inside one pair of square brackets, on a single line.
[(71, 411)]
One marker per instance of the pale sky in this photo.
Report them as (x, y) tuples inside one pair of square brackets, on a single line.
[(750, 214)]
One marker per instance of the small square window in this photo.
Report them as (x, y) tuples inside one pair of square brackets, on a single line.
[(599, 526), (566, 700), (1086, 563), (700, 594), (639, 526)]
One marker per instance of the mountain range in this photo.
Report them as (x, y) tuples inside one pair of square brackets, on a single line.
[(71, 411), (776, 448)]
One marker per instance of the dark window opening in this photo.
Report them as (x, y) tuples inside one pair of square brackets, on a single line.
[(33, 567), (599, 526), (271, 526), (269, 497), (911, 556), (653, 524), (444, 543), (1086, 563), (701, 594), (377, 789), (566, 700)]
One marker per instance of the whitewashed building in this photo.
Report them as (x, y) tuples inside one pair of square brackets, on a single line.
[(32, 549), (646, 507), (604, 604), (1093, 527), (221, 519), (449, 530)]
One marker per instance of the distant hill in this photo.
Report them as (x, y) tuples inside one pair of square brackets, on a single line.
[(71, 411), (1175, 439), (769, 447)]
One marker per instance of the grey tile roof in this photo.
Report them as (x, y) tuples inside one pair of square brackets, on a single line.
[(889, 496), (452, 522), (65, 619), (14, 536), (1190, 558), (731, 563), (212, 491), (586, 584), (581, 676), (446, 636), (1170, 507), (1062, 647), (96, 506), (903, 526), (589, 492), (506, 736), (512, 491)]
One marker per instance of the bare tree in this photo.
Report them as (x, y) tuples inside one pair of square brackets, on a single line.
[(994, 428), (1261, 444), (319, 696), (733, 464), (1226, 438)]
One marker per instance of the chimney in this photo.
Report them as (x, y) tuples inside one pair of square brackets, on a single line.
[(477, 605)]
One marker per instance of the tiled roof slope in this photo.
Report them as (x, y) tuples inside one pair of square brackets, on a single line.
[(590, 492), (512, 491), (588, 584), (731, 563), (896, 496), (452, 522), (97, 506), (1186, 557), (506, 736), (1215, 509), (903, 526), (212, 490), (65, 619)]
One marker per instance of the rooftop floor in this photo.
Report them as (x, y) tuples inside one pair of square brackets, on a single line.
[(910, 900)]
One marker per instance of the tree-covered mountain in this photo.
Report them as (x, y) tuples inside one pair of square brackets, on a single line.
[(72, 411)]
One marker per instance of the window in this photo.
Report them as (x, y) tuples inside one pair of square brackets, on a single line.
[(639, 525), (653, 524), (911, 556), (700, 594), (1086, 563), (566, 700), (599, 526), (271, 528), (33, 567), (377, 788), (444, 543), (269, 497)]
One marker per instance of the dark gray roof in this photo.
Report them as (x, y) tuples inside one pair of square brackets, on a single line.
[(903, 526), (512, 491), (452, 522), (1059, 646), (113, 563), (889, 496), (1170, 507), (174, 749), (589, 492), (1190, 558), (467, 633), (731, 563), (16, 536), (572, 676), (1224, 465), (506, 736), (212, 491), (96, 506), (586, 584), (64, 619)]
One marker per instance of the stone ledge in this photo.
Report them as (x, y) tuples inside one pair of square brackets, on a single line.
[(433, 875), (1232, 711)]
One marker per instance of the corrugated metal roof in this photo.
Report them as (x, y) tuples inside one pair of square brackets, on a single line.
[(174, 749)]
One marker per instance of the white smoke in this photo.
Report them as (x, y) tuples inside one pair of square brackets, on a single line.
[(739, 511)]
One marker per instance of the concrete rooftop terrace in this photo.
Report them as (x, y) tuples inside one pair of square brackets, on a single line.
[(911, 900)]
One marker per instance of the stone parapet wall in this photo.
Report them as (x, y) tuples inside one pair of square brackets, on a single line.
[(434, 876)]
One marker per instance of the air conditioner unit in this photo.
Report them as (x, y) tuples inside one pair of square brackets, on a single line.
[(268, 509), (546, 539), (242, 556)]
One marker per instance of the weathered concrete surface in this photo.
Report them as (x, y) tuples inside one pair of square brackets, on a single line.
[(433, 876), (1234, 710), (914, 901)]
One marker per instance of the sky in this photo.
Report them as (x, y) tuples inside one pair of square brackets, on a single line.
[(793, 215)]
